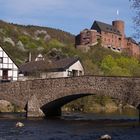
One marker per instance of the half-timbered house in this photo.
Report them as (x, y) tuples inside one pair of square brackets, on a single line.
[(8, 69)]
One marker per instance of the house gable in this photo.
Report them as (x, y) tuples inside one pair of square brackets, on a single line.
[(39, 57), (76, 66), (75, 69), (8, 69)]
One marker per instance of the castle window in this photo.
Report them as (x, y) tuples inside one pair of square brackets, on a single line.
[(128, 44), (108, 40)]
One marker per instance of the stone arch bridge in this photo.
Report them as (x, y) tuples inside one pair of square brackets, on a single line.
[(42, 97)]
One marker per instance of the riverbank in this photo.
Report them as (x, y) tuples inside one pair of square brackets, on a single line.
[(87, 104), (6, 106), (96, 104)]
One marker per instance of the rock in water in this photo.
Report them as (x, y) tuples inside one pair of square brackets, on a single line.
[(105, 137), (19, 124)]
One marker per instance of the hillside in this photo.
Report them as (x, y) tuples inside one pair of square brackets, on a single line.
[(18, 40)]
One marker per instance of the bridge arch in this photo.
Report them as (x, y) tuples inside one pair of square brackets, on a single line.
[(39, 93), (53, 108)]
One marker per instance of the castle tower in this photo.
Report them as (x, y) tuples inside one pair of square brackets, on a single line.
[(119, 24)]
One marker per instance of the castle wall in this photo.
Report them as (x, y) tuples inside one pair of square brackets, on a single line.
[(111, 40), (132, 48)]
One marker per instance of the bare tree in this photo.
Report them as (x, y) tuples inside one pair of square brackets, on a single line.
[(136, 18)]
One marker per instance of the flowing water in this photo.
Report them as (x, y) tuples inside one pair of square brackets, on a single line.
[(72, 126)]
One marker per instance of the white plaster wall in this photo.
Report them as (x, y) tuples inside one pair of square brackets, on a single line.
[(43, 75), (5, 60), (65, 73), (0, 72), (8, 64), (10, 73), (76, 66), (14, 78), (5, 55), (55, 74), (10, 61)]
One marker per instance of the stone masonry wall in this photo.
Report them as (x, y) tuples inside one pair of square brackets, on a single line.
[(46, 91)]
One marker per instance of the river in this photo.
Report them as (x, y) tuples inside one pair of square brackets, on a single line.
[(72, 126)]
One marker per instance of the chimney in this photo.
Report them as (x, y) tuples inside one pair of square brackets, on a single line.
[(30, 57)]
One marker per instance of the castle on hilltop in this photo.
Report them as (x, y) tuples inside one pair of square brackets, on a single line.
[(110, 36)]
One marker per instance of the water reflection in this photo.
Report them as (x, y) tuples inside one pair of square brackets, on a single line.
[(12, 115), (125, 114)]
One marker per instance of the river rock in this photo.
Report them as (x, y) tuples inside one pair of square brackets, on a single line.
[(105, 137), (6, 106), (19, 124)]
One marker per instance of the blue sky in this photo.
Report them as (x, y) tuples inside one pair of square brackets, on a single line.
[(68, 15)]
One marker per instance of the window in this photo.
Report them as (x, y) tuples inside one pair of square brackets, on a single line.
[(1, 60), (108, 40), (74, 72), (80, 73), (69, 73)]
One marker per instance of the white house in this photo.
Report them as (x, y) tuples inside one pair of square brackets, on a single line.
[(66, 67), (8, 69), (39, 57)]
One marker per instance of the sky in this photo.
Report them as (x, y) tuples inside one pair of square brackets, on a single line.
[(68, 15)]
